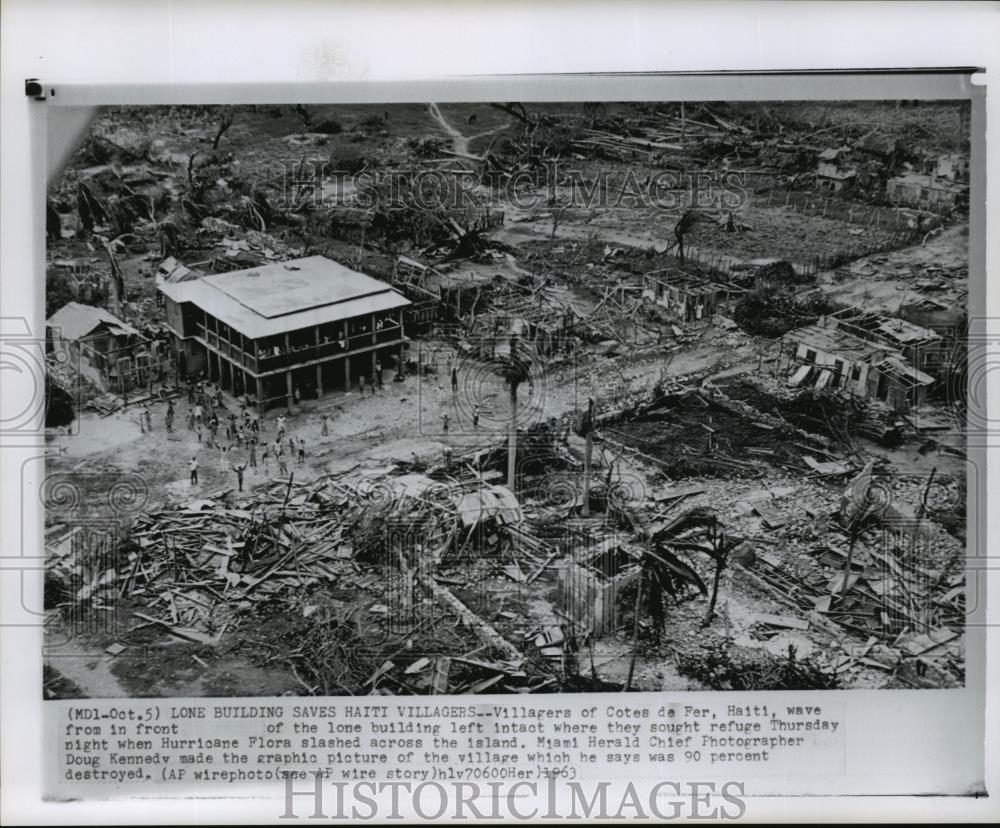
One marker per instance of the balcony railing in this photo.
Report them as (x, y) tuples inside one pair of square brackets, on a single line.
[(266, 360), (389, 333)]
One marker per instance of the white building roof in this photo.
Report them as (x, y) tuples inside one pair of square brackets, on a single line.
[(286, 296)]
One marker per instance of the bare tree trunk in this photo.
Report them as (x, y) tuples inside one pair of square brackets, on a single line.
[(635, 632), (227, 121), (512, 439), (719, 566)]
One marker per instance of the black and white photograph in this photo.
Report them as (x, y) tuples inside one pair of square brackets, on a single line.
[(497, 412), (416, 399)]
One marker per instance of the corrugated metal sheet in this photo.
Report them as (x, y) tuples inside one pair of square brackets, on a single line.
[(76, 321)]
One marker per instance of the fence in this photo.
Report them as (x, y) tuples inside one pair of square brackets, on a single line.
[(893, 230), (814, 203)]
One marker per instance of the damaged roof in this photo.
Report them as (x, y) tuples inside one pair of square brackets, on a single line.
[(830, 338), (75, 321), (171, 270), (901, 369)]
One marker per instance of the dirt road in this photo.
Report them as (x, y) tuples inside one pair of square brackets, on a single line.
[(460, 144)]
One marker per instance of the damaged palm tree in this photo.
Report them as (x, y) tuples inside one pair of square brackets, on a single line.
[(665, 575), (684, 226), (515, 369), (717, 544), (91, 209)]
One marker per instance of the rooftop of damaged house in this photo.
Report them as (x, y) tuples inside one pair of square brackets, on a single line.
[(671, 398)]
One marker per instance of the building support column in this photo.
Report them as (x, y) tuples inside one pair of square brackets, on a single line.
[(347, 373), (260, 396), (319, 366), (288, 386)]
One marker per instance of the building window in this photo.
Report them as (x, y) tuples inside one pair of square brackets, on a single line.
[(810, 355)]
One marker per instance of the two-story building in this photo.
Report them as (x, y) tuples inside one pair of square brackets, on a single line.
[(274, 332)]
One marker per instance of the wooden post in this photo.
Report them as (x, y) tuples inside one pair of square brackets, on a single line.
[(512, 441), (319, 367), (587, 455)]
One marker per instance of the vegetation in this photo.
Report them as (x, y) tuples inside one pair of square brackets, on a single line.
[(59, 408), (773, 312)]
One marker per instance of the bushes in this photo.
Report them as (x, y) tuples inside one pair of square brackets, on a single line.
[(783, 273), (373, 122), (348, 159), (328, 126), (772, 312)]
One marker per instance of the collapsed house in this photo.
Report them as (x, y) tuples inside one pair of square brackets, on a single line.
[(86, 286), (949, 320), (923, 348), (952, 166), (928, 192), (420, 283), (687, 298), (110, 353), (307, 324), (834, 169), (593, 581), (826, 355)]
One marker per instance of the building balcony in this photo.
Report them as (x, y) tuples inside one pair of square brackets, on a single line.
[(266, 361)]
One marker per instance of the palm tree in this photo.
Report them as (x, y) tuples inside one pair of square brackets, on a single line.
[(717, 544), (663, 574)]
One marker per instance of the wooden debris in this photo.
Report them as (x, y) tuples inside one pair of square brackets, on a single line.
[(783, 621)]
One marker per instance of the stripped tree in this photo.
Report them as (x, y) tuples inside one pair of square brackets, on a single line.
[(514, 369)]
